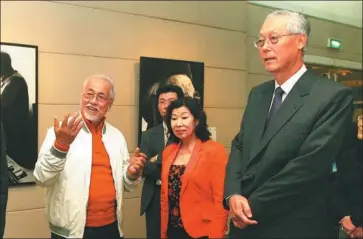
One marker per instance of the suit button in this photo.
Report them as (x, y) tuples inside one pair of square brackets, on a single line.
[(247, 174)]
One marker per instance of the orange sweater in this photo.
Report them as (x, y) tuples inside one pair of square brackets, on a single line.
[(101, 208), (102, 195)]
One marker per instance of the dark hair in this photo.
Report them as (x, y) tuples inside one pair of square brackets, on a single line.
[(201, 129), (6, 68), (166, 88)]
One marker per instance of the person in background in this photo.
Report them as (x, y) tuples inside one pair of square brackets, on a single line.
[(192, 176), (3, 181), (15, 113), (84, 165), (153, 142), (349, 185), (279, 167)]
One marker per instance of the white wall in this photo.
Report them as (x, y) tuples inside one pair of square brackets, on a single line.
[(348, 12)]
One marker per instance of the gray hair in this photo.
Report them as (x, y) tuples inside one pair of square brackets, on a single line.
[(297, 24), (103, 77)]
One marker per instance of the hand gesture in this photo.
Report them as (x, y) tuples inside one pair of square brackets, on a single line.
[(137, 163), (67, 131), (347, 226), (240, 210)]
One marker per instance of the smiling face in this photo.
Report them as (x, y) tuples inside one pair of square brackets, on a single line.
[(285, 55), (183, 123), (96, 101)]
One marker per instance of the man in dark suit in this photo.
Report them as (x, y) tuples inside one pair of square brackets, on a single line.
[(292, 129), (3, 181), (15, 114), (153, 142), (347, 196)]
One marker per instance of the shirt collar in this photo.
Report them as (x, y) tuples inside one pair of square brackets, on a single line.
[(287, 85), (93, 129), (165, 127)]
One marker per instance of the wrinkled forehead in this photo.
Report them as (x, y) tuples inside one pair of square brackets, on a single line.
[(275, 24), (98, 85)]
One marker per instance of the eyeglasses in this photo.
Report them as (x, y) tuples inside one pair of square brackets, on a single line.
[(272, 39), (99, 97)]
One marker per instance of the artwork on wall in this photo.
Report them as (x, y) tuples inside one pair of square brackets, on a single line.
[(19, 109), (155, 71)]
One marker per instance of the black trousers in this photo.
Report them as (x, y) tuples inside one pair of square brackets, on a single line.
[(179, 233), (109, 231), (152, 216)]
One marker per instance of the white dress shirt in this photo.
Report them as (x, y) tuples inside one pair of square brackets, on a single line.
[(287, 85), (166, 134)]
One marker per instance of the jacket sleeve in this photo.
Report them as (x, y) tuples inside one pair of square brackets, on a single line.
[(150, 169), (233, 177), (129, 184), (3, 182), (314, 159), (50, 163), (219, 215), (164, 204)]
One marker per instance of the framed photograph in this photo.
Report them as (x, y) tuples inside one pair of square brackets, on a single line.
[(19, 109), (188, 75)]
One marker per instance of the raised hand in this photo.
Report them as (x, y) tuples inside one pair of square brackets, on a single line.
[(66, 132), (240, 210), (137, 163)]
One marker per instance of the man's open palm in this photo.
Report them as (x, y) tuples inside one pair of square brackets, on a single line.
[(66, 132)]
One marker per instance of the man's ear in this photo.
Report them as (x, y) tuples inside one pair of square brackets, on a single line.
[(302, 41), (110, 105)]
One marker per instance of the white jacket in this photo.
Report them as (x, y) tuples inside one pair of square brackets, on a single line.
[(67, 178)]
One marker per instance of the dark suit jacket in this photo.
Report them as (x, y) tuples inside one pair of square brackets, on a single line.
[(347, 195), (284, 171), (15, 119), (152, 143), (3, 182)]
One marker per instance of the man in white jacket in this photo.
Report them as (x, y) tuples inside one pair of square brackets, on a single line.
[(85, 166)]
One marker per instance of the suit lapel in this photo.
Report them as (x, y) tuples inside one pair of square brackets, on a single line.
[(158, 141), (261, 108), (292, 103), (159, 137), (191, 165)]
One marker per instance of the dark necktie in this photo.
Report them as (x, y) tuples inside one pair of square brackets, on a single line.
[(276, 103)]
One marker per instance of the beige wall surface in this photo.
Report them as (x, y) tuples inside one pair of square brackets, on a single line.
[(76, 39)]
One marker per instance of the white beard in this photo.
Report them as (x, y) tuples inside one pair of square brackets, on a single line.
[(91, 118)]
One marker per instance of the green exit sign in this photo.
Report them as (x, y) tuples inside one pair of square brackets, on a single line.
[(334, 43)]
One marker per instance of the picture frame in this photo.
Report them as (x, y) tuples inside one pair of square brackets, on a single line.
[(157, 71), (19, 109)]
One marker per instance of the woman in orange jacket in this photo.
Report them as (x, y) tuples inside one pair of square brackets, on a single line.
[(192, 176)]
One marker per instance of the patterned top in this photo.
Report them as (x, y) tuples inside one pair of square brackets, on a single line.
[(174, 186)]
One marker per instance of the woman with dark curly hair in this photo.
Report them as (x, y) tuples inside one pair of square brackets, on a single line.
[(192, 176)]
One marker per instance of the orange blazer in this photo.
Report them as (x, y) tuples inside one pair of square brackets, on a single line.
[(201, 194)]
